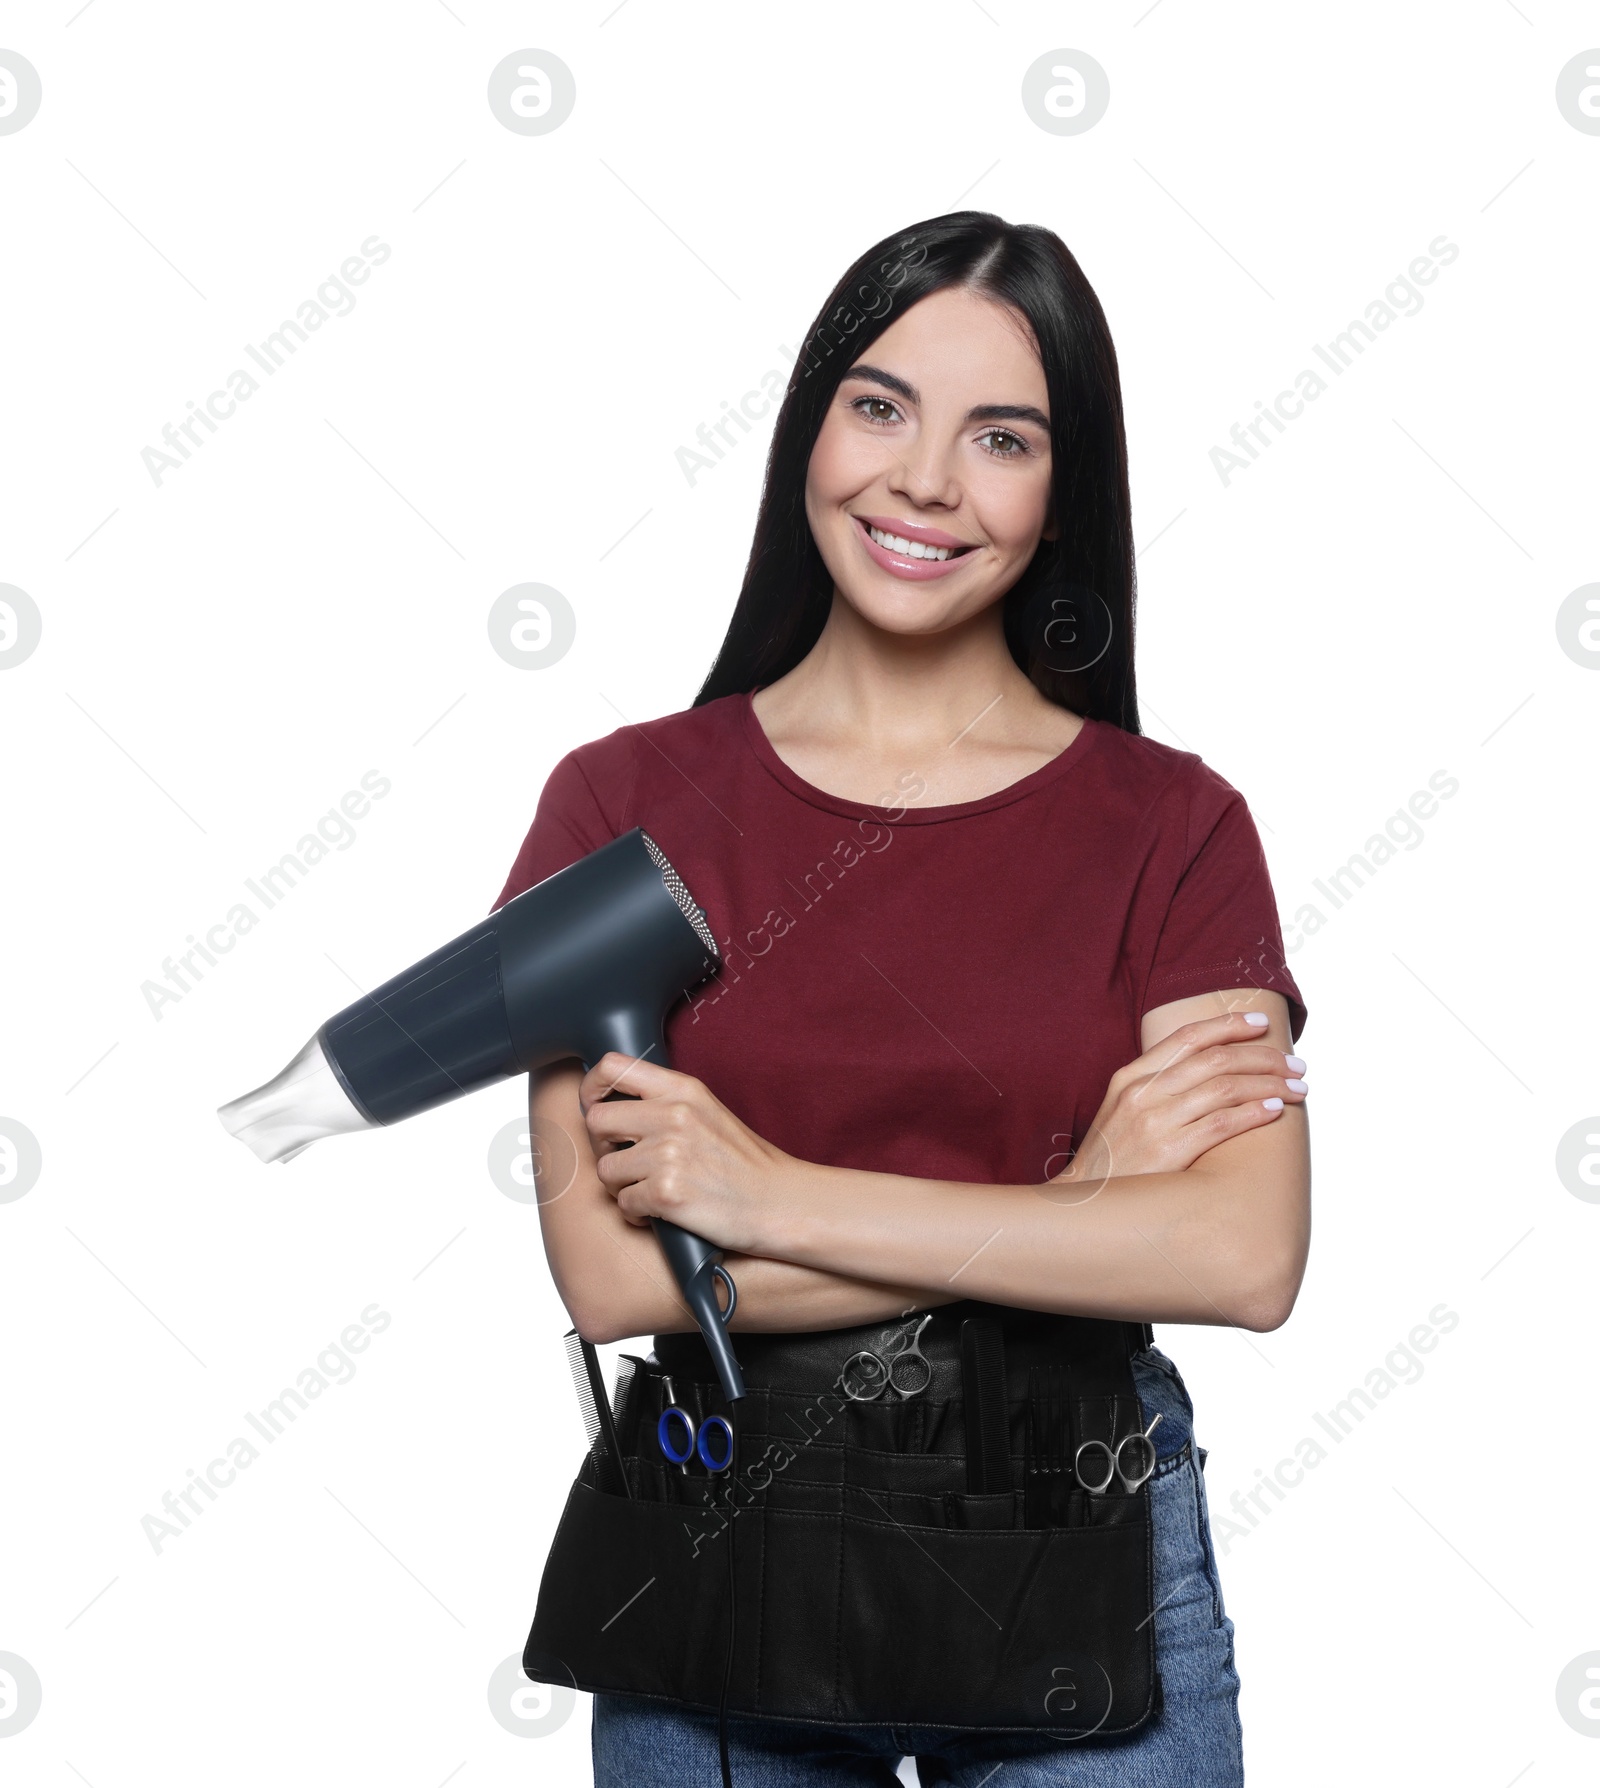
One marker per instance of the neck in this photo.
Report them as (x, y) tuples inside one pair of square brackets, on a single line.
[(904, 689)]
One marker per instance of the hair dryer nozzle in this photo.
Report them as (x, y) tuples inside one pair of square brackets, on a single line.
[(294, 1109)]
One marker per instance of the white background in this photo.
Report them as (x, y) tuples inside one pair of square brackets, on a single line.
[(226, 653)]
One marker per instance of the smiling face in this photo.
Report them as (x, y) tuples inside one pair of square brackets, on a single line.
[(929, 485)]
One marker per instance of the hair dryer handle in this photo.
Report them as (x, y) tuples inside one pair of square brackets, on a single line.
[(694, 1264)]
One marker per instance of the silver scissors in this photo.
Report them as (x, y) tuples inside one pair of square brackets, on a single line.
[(865, 1375), (1132, 1459)]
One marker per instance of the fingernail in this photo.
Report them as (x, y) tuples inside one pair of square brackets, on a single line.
[(1296, 1086), (1257, 1018), (1273, 1104), (1294, 1064)]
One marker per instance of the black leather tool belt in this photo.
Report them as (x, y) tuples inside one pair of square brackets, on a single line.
[(901, 1557)]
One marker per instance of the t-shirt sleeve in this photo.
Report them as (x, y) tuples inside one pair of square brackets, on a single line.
[(570, 821), (1221, 928)]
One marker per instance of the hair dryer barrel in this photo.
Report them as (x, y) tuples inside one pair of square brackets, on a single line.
[(589, 956), (606, 945), (436, 1031)]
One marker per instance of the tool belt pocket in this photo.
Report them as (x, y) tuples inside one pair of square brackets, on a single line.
[(889, 1564)]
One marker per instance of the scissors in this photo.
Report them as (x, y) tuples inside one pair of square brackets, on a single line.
[(876, 1377), (1133, 1459), (681, 1439)]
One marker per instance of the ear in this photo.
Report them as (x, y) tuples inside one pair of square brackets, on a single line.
[(1050, 531)]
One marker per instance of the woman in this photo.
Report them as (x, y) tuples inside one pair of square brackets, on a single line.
[(1002, 1017)]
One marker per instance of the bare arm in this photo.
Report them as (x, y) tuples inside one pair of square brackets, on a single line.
[(1223, 1240), (611, 1275)]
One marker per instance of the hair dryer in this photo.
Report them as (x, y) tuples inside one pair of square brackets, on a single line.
[(590, 959)]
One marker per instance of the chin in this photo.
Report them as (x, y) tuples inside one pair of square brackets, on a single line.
[(918, 611)]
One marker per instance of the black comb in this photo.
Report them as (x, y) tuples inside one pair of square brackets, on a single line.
[(604, 1448)]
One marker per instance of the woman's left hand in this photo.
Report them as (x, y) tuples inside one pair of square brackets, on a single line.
[(692, 1161)]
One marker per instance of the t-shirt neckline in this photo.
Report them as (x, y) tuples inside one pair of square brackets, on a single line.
[(797, 785)]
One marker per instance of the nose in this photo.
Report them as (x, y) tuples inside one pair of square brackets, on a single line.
[(923, 473)]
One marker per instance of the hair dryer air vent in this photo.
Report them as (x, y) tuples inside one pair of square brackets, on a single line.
[(681, 894)]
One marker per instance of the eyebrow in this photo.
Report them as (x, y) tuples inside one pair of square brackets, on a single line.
[(875, 375)]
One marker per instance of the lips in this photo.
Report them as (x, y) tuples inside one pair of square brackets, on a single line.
[(906, 559)]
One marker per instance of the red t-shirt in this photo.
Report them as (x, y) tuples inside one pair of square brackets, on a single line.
[(936, 991)]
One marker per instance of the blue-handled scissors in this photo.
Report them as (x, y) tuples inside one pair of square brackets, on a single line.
[(681, 1439)]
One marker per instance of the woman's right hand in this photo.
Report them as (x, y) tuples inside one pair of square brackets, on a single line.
[(1198, 1086)]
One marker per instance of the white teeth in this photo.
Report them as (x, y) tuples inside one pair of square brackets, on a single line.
[(910, 549)]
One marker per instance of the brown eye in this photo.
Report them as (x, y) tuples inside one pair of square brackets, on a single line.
[(1015, 451), (871, 409)]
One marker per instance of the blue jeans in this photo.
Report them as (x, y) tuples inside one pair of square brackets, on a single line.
[(1195, 1740)]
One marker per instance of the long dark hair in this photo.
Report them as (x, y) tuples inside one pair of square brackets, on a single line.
[(1069, 617)]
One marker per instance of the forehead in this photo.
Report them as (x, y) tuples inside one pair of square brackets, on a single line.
[(957, 341)]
